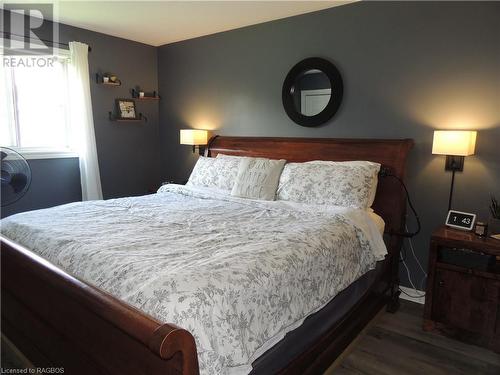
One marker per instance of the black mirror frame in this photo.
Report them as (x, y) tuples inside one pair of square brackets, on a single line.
[(335, 99)]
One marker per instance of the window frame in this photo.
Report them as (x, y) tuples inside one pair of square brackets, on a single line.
[(43, 152)]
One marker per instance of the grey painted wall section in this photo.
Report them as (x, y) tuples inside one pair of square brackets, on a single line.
[(53, 182), (128, 152), (408, 68)]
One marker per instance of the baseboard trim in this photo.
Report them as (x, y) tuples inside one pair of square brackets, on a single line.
[(412, 292)]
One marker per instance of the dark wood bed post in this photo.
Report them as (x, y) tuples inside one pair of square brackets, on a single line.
[(60, 321)]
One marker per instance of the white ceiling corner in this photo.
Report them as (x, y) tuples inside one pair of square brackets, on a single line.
[(162, 22)]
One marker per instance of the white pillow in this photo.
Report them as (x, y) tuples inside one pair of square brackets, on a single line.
[(258, 178), (347, 184), (214, 173)]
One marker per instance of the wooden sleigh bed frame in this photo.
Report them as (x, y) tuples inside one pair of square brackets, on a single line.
[(57, 320)]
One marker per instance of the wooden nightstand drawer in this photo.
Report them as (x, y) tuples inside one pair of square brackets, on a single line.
[(465, 301)]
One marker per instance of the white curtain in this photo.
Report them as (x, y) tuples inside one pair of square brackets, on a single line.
[(7, 133), (82, 122)]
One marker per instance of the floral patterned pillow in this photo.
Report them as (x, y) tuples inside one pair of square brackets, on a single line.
[(227, 172), (347, 184), (214, 173)]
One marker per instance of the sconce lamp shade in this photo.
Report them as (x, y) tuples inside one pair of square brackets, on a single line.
[(194, 137), (454, 142)]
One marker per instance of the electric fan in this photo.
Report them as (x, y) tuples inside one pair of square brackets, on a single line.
[(16, 176)]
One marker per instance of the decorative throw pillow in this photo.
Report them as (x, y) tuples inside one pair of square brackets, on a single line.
[(348, 184), (214, 173), (227, 170), (258, 178), (204, 173)]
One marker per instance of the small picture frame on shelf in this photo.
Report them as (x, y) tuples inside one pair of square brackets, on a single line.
[(125, 109)]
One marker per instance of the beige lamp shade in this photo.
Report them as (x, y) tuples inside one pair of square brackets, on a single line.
[(194, 137), (454, 142)]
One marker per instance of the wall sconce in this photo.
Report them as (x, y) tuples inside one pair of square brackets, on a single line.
[(455, 144), (196, 138)]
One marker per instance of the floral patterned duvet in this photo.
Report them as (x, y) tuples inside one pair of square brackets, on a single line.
[(238, 274)]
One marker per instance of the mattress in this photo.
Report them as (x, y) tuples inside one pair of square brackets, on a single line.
[(316, 325), (238, 274)]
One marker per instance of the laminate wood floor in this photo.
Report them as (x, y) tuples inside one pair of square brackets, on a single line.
[(394, 344)]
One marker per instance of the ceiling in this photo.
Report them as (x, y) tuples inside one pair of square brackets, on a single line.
[(161, 22)]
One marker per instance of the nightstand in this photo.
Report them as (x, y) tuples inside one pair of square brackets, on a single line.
[(463, 287)]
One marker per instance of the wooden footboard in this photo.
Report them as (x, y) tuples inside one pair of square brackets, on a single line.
[(60, 321)]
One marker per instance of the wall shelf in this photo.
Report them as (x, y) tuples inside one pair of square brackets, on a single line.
[(139, 118), (110, 83), (100, 81), (148, 98), (147, 95)]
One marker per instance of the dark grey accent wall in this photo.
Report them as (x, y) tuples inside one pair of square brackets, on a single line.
[(128, 152), (408, 68)]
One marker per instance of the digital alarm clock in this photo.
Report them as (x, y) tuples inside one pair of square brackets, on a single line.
[(460, 220)]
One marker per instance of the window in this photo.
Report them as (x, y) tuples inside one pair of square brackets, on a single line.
[(35, 109)]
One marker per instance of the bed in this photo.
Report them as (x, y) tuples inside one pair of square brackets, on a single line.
[(114, 322)]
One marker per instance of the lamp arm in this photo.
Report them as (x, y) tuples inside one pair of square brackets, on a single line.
[(451, 189)]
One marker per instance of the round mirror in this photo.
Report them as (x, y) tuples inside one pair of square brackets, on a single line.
[(312, 92)]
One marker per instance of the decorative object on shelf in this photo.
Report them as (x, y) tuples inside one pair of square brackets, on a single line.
[(142, 95), (107, 79), (460, 220), (455, 144), (481, 229), (312, 92), (194, 137), (125, 109), (494, 222)]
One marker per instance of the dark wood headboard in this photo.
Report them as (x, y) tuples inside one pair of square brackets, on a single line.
[(390, 201)]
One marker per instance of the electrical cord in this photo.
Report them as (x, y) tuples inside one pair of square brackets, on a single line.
[(412, 284), (384, 172), (418, 262), (403, 260)]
